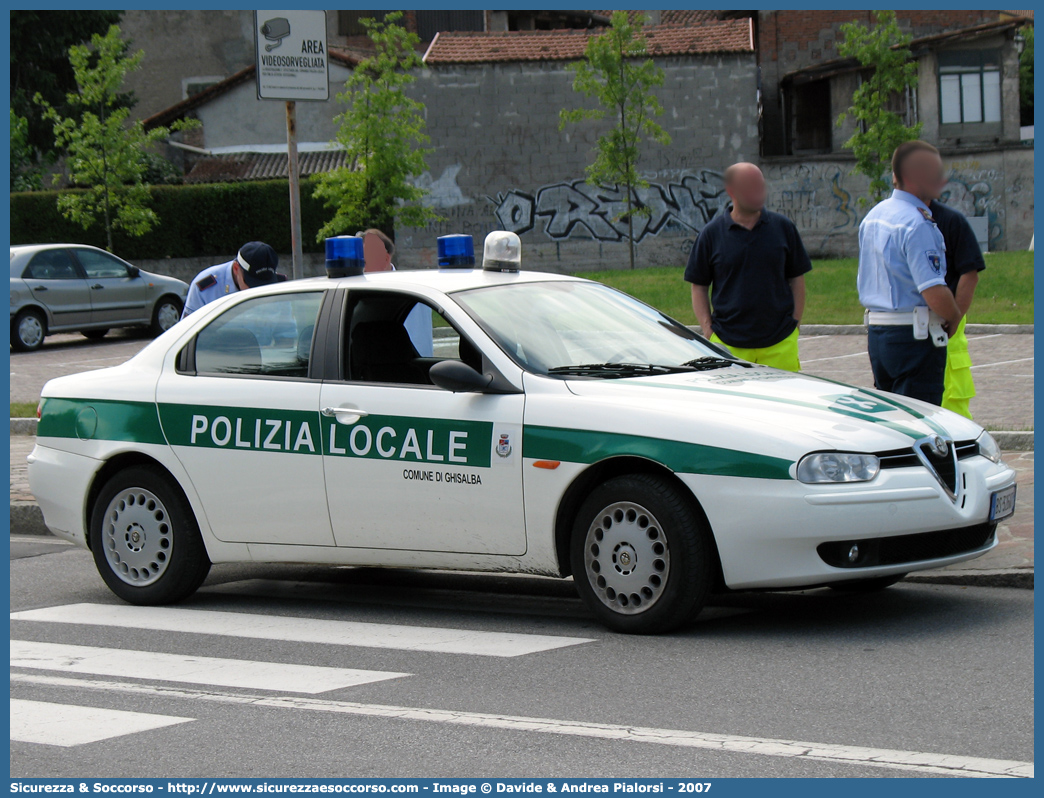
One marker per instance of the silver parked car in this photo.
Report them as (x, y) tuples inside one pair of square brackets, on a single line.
[(73, 287)]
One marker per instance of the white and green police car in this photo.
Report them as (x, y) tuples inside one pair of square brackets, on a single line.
[(542, 424)]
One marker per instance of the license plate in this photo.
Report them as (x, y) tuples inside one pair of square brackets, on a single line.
[(1002, 504)]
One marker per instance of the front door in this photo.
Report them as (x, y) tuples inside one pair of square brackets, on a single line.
[(242, 417), (411, 466), (116, 296)]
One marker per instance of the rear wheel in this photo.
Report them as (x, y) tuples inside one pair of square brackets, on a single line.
[(28, 331), (145, 538), (166, 314), (94, 335), (866, 585), (642, 558)]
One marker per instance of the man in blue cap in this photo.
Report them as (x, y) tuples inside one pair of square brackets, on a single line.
[(253, 266)]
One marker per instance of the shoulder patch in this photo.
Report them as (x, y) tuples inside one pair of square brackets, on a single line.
[(207, 282), (934, 260)]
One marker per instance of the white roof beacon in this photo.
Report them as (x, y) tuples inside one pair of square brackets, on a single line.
[(502, 252)]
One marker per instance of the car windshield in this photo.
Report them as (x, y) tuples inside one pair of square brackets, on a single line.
[(587, 329)]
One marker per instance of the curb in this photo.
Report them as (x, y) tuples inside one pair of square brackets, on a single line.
[(27, 519), (997, 577), (23, 426), (859, 329)]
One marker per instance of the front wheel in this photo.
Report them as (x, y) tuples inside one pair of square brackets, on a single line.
[(166, 314), (145, 539), (642, 557)]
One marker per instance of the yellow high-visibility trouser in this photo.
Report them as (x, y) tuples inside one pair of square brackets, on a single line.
[(783, 355), (958, 383)]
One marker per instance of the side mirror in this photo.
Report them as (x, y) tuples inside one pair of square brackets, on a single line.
[(133, 271), (459, 377)]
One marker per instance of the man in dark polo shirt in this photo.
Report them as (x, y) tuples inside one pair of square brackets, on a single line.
[(964, 261), (750, 263)]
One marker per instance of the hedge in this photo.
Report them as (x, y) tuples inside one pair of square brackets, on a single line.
[(194, 220)]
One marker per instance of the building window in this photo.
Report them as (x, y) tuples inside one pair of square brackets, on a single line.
[(431, 22), (969, 87), (811, 123), (349, 23)]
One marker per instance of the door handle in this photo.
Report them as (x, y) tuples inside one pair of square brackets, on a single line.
[(97, 285), (344, 415), (38, 287)]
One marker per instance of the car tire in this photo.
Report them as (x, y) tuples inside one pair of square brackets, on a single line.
[(165, 315), (28, 331), (94, 335), (145, 539), (642, 556), (874, 585)]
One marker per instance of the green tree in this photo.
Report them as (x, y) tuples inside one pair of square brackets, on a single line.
[(383, 133), (882, 50), (25, 173), (615, 73), (40, 42), (1026, 76), (104, 154)]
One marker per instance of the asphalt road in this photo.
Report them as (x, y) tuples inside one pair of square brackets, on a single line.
[(455, 664)]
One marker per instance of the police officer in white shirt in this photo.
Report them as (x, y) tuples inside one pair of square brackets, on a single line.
[(902, 280), (255, 264), (379, 250)]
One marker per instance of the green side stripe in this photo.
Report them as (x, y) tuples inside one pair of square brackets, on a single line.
[(792, 402), (101, 419), (583, 446)]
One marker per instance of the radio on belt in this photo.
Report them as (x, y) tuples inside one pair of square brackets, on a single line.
[(456, 252), (502, 252), (344, 256)]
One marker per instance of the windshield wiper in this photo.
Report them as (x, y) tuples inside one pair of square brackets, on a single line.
[(618, 369), (708, 363)]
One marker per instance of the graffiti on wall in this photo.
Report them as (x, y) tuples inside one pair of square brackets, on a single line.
[(578, 209)]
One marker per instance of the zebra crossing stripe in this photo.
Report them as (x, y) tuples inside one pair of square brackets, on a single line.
[(67, 725), (301, 630), (916, 761), (246, 674)]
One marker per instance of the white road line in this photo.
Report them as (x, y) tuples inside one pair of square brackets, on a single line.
[(835, 357), (940, 764), (153, 665), (981, 337), (303, 630), (1001, 363), (67, 725)]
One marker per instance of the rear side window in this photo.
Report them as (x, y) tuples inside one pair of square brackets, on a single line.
[(52, 264), (269, 336)]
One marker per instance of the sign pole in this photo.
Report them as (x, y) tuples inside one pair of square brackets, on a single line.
[(295, 188)]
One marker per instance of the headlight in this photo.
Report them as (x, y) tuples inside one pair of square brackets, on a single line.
[(837, 467), (988, 448)]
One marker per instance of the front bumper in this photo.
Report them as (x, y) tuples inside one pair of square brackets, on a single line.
[(785, 534)]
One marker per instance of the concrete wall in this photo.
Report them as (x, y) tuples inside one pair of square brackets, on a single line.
[(237, 117), (500, 161), (822, 197)]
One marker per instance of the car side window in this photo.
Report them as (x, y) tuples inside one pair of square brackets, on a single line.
[(268, 336), (395, 338), (52, 264), (99, 264)]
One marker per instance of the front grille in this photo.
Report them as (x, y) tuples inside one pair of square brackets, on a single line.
[(907, 458), (943, 464), (906, 548)]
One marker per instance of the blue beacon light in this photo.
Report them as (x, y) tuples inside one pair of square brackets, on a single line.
[(344, 256), (456, 252)]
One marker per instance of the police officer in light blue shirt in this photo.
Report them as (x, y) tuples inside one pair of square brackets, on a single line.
[(255, 264), (902, 280)]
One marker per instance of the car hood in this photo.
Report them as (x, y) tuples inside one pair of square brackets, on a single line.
[(807, 411)]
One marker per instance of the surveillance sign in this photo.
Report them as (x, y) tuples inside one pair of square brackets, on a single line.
[(292, 59)]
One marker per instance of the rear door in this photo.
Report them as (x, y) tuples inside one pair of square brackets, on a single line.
[(241, 413), (116, 296), (57, 283)]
